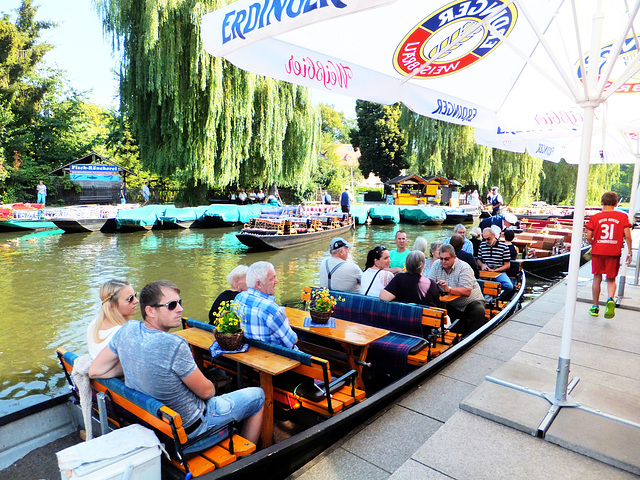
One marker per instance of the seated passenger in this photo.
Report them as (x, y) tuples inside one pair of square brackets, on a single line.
[(338, 272), (119, 303), (160, 364), (434, 254), (264, 318), (455, 277), (494, 256), (237, 280), (514, 268), (412, 286), (461, 230), (457, 242), (375, 276), (475, 237)]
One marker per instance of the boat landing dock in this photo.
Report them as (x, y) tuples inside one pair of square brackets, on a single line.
[(445, 429)]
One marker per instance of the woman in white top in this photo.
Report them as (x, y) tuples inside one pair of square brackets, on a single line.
[(119, 304), (375, 277)]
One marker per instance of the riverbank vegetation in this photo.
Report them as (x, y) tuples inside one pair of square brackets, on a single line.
[(201, 127)]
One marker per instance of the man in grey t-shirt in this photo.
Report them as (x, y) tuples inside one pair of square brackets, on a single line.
[(161, 365), (337, 272)]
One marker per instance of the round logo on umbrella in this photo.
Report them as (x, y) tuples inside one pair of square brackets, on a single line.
[(626, 56), (452, 38)]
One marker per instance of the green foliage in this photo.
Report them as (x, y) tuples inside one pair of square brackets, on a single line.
[(198, 117), (381, 142), (335, 125)]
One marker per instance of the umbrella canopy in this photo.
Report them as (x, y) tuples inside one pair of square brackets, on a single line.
[(611, 147), (481, 63), (518, 64)]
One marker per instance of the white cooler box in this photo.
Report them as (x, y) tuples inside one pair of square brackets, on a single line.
[(129, 453)]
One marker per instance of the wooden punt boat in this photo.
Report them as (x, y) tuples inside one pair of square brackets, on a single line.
[(81, 225), (266, 234), (422, 214), (26, 225), (43, 423)]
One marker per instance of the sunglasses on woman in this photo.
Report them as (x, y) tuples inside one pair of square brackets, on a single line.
[(131, 297), (379, 249), (170, 305)]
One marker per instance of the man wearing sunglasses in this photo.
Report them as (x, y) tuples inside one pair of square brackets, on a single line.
[(161, 365), (456, 277)]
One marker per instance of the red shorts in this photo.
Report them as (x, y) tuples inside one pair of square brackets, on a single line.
[(605, 265)]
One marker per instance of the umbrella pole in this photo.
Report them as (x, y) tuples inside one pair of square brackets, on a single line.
[(632, 214)]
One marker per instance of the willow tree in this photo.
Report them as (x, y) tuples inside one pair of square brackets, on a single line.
[(199, 116), (517, 175)]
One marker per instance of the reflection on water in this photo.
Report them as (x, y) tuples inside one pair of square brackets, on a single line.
[(50, 283)]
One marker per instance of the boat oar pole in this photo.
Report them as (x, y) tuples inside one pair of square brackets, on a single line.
[(517, 192)]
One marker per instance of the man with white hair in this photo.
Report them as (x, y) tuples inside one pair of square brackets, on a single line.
[(237, 280), (494, 256), (338, 272), (502, 221), (264, 319), (467, 246)]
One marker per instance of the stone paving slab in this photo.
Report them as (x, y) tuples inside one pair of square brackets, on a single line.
[(472, 368), (511, 407), (598, 437), (399, 429), (469, 447), (438, 398)]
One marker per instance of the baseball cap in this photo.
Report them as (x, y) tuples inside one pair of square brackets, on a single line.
[(339, 242), (496, 230), (511, 218), (494, 188), (346, 187)]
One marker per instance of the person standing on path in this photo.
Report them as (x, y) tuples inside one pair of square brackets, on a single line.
[(41, 189), (146, 193), (345, 200), (606, 232), (123, 198)]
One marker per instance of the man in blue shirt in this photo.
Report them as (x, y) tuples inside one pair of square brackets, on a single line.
[(345, 200), (264, 319), (467, 246), (503, 221)]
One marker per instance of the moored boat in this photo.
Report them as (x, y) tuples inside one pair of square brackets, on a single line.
[(176, 218), (384, 214), (139, 219), (55, 418), (422, 214), (276, 234), (24, 217)]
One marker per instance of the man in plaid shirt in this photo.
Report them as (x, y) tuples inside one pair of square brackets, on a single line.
[(265, 320)]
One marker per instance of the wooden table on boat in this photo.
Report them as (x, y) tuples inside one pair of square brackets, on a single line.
[(267, 364), (349, 335), (448, 297), (487, 275)]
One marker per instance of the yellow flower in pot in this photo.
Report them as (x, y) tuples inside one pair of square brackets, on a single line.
[(229, 324), (321, 305)]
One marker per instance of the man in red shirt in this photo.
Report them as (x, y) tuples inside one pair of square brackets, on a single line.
[(606, 232)]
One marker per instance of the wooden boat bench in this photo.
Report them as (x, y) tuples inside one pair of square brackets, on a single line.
[(309, 385), (127, 406), (411, 341)]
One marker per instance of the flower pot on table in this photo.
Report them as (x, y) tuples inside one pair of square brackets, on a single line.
[(229, 341), (320, 317)]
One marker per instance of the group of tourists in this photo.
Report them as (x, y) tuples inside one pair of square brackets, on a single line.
[(241, 197), (161, 364), (409, 276)]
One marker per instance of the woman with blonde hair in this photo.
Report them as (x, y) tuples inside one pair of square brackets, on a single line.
[(119, 304)]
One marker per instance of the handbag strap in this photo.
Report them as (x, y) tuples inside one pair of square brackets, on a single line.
[(372, 280)]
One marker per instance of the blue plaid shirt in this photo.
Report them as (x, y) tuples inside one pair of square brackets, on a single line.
[(265, 320)]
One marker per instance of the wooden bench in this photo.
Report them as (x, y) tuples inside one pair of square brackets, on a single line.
[(96, 199), (328, 396), (127, 406), (411, 325)]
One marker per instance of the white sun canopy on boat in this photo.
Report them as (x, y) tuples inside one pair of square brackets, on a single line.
[(518, 64)]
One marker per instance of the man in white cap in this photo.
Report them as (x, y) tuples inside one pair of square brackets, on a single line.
[(502, 221), (345, 200), (495, 200), (338, 272)]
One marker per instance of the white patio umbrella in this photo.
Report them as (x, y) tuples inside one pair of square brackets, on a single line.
[(521, 64)]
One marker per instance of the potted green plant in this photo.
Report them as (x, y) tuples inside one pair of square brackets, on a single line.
[(321, 305), (229, 331)]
